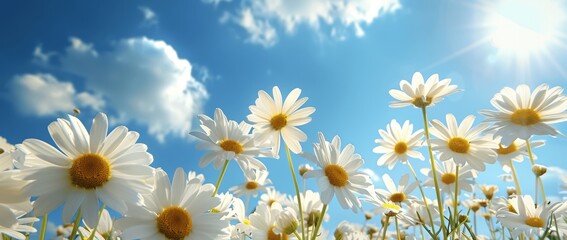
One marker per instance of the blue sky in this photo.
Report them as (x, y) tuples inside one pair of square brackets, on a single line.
[(129, 60)]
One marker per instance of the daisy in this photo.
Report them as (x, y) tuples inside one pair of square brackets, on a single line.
[(397, 143), (417, 215), (514, 152), (311, 206), (224, 206), (488, 190), (104, 229), (462, 143), (13, 223), (271, 118), (400, 193), (179, 210), (239, 214), (286, 222), (256, 181), (263, 221), (528, 219), (272, 196), (226, 140), (339, 173), (420, 94), (522, 113), (93, 166), (447, 177)]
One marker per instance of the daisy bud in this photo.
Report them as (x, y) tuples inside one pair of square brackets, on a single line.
[(313, 218), (511, 191), (286, 222), (371, 230), (539, 170), (489, 190), (76, 111), (368, 216), (304, 168), (463, 218), (483, 203)]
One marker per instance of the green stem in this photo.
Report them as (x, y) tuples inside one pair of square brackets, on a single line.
[(316, 231), (422, 196), (297, 235), (531, 155), (223, 171), (421, 232), (76, 224), (43, 227), (93, 231), (536, 190), (516, 181), (385, 227), (432, 161), (455, 201), (297, 192), (397, 227)]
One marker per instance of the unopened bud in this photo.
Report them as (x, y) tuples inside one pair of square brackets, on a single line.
[(489, 190), (539, 170), (511, 191), (304, 168), (76, 111), (368, 216)]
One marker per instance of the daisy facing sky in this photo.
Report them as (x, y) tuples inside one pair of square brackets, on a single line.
[(420, 93), (92, 166), (398, 143)]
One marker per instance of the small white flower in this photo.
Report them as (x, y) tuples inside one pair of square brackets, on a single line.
[(447, 177), (420, 94), (256, 182), (398, 143), (273, 117), (400, 193), (104, 229), (286, 222), (271, 196)]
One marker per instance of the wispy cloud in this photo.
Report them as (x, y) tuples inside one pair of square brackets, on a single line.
[(150, 17), (140, 79), (373, 176), (260, 18)]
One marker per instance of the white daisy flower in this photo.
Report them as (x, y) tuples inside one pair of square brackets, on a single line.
[(13, 223), (263, 221), (304, 168), (239, 214), (447, 177), (516, 151), (104, 229), (462, 143), (420, 94), (522, 113), (400, 193), (311, 206), (179, 210), (224, 206), (272, 116), (339, 173), (6, 150), (398, 143), (528, 219), (226, 140), (286, 222), (417, 215), (271, 196), (93, 166), (256, 182)]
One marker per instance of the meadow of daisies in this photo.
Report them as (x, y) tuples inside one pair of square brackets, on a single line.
[(89, 172)]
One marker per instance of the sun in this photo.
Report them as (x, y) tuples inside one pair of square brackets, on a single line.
[(525, 27)]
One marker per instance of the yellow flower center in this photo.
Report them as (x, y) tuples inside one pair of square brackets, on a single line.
[(507, 150), (251, 185), (89, 171), (215, 210), (448, 178), (278, 121), (418, 102), (525, 117), (459, 145), (534, 222), (398, 197), (401, 148), (231, 146), (337, 175), (174, 222), (246, 221), (272, 201), (273, 236)]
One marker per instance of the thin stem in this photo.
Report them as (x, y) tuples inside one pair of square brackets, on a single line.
[(536, 183), (91, 237), (432, 161), (76, 224), (455, 200), (531, 155), (297, 192), (385, 227), (516, 181), (423, 196), (297, 235), (421, 233), (397, 227), (474, 216), (314, 236), (43, 227), (223, 171)]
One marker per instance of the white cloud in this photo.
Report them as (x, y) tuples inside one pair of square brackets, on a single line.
[(215, 2), (259, 17), (44, 95), (142, 80), (554, 173), (41, 57), (150, 17)]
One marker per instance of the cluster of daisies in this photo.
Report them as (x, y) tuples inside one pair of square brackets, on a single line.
[(90, 171)]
